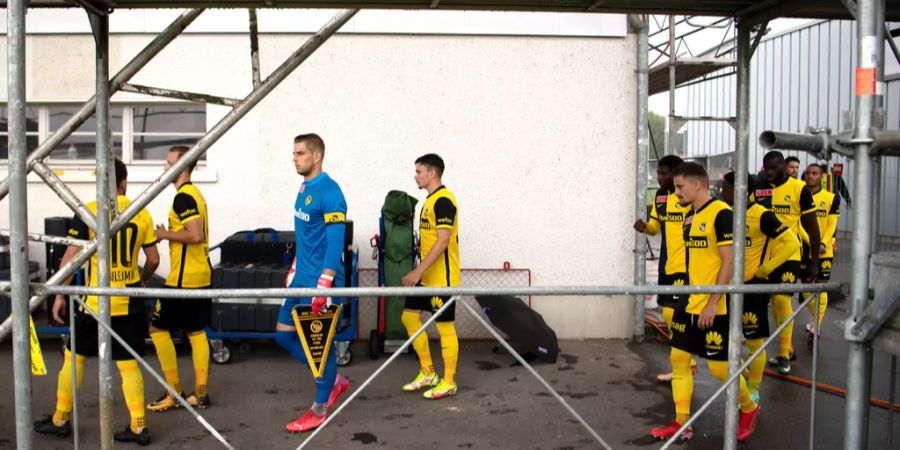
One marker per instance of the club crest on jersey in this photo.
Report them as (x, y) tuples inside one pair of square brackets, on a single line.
[(308, 200), (787, 198), (702, 227)]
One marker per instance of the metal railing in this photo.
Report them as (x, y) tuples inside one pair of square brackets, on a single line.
[(456, 293)]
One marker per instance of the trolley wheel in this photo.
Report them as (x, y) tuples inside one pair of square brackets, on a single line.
[(374, 345), (343, 360), (221, 354)]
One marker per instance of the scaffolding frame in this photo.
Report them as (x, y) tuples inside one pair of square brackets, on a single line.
[(870, 51)]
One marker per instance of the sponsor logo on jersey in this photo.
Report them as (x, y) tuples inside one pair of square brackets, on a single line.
[(673, 217), (697, 242)]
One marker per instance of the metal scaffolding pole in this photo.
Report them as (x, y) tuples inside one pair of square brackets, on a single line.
[(18, 218), (84, 113), (642, 153), (106, 206), (233, 116), (247, 104), (736, 301), (879, 105), (859, 360), (254, 46), (670, 140)]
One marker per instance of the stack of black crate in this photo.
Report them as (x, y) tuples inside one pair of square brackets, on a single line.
[(251, 259)]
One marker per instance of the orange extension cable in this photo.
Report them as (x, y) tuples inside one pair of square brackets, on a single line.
[(660, 325)]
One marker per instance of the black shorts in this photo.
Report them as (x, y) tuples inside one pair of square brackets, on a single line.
[(825, 268), (787, 273), (433, 304), (179, 313), (131, 327), (756, 314), (711, 343), (675, 279)]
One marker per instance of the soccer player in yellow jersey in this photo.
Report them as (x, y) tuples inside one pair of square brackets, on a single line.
[(828, 211), (129, 318), (792, 203), (700, 325), (666, 219), (189, 268), (439, 266), (771, 249)]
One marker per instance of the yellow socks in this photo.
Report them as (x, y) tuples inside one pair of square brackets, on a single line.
[(165, 350), (682, 384), (133, 388), (449, 349), (757, 366), (64, 387), (412, 323), (823, 303), (781, 305), (200, 352), (719, 369)]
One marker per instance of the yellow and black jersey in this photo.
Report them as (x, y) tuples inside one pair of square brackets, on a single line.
[(762, 227), (189, 263), (705, 230), (788, 201), (440, 211), (123, 253), (667, 218), (828, 211)]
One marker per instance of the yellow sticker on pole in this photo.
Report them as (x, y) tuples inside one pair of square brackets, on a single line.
[(37, 358)]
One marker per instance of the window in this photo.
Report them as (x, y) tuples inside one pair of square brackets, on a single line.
[(31, 130), (156, 128), (140, 132), (82, 143)]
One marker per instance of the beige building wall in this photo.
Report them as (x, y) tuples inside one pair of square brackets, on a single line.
[(537, 133)]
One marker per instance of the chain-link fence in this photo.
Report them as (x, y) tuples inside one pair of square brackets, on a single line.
[(466, 326)]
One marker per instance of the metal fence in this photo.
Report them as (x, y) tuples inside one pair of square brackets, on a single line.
[(870, 17)]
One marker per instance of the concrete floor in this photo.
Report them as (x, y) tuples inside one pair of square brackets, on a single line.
[(499, 404)]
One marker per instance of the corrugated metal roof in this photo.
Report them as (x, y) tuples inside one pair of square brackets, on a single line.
[(823, 9), (686, 69)]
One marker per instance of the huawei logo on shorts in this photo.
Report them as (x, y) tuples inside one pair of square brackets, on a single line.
[(713, 338), (749, 318), (788, 278)]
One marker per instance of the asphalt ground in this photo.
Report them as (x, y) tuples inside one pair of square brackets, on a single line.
[(499, 405)]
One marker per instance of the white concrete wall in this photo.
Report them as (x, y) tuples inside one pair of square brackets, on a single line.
[(537, 133)]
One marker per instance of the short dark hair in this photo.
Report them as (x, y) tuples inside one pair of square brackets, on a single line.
[(670, 161), (690, 170), (791, 159), (820, 166), (313, 142), (729, 179), (121, 171), (181, 150), (773, 155), (432, 160)]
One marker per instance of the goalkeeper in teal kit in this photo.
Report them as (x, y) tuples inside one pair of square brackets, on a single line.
[(319, 216)]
